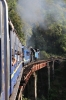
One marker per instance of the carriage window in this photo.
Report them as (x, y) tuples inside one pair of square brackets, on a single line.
[(27, 53), (23, 51)]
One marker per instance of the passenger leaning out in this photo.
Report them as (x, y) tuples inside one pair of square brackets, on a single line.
[(13, 61)]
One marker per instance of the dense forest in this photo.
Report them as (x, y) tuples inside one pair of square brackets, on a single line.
[(51, 37), (50, 34)]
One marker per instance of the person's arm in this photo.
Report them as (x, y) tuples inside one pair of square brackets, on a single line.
[(14, 62)]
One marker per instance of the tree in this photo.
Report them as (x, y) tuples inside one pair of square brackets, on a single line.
[(15, 18)]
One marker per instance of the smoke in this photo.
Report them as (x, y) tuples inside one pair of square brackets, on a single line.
[(31, 10), (34, 12)]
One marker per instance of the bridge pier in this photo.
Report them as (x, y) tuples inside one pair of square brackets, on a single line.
[(31, 88), (48, 76), (35, 85), (21, 97), (53, 69)]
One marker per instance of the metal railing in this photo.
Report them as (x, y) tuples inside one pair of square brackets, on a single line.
[(5, 46)]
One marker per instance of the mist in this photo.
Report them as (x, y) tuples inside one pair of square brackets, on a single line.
[(31, 10), (34, 12)]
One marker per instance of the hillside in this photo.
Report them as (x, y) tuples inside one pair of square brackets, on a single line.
[(45, 24), (16, 19)]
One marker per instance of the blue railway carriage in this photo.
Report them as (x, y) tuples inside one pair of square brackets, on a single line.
[(15, 52), (10, 47), (26, 55)]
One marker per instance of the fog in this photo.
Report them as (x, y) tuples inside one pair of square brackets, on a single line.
[(35, 12)]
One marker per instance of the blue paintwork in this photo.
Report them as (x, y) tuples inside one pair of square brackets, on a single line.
[(15, 72), (37, 54), (26, 55)]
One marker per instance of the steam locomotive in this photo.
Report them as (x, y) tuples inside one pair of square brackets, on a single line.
[(11, 50)]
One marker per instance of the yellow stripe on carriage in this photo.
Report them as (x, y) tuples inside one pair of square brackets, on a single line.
[(15, 70)]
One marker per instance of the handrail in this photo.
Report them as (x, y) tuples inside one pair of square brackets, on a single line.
[(6, 47)]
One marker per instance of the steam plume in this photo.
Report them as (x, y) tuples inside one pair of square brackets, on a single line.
[(35, 12)]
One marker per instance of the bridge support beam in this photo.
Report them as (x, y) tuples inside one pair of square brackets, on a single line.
[(48, 76), (30, 91), (35, 85), (53, 69), (21, 97)]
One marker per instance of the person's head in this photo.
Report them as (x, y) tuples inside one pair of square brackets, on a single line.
[(13, 58), (18, 52)]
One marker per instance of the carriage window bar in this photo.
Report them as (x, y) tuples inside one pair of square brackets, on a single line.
[(0, 48)]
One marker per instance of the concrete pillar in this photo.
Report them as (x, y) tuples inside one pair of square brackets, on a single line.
[(21, 97), (48, 76), (53, 69), (30, 91), (35, 85)]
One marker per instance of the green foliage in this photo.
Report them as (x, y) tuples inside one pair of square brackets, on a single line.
[(42, 98), (44, 55), (58, 86), (37, 39), (25, 99), (15, 18), (51, 37), (11, 4)]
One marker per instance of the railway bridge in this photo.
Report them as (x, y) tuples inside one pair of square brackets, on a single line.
[(27, 71)]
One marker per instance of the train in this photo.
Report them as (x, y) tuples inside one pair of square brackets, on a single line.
[(13, 54)]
